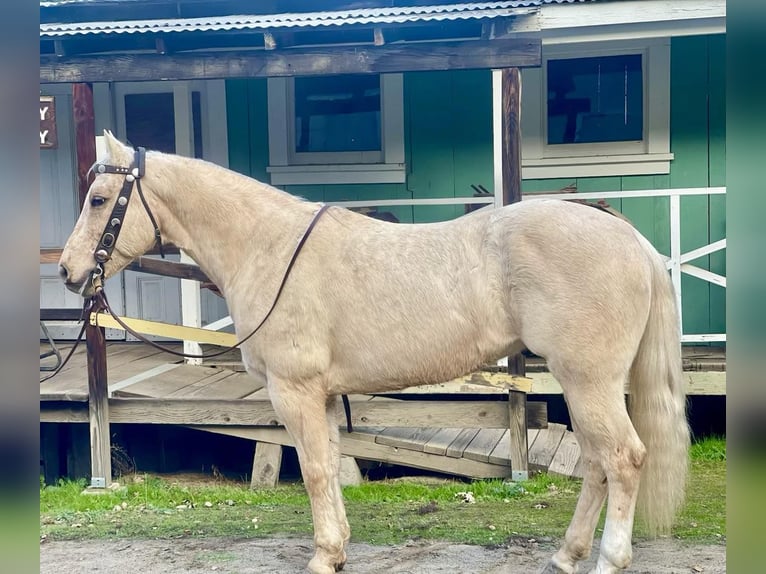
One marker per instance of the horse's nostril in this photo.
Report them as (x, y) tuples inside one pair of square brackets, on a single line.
[(63, 272)]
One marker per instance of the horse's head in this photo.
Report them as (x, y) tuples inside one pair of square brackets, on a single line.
[(106, 239)]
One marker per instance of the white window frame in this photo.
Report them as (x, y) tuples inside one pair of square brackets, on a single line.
[(649, 156), (290, 168), (215, 144)]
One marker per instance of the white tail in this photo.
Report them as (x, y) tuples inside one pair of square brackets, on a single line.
[(657, 406)]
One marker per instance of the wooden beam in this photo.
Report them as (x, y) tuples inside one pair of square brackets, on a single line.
[(98, 407), (378, 37), (269, 41), (517, 408), (85, 136), (266, 464), (158, 329), (487, 30), (239, 412), (58, 48), (511, 162), (511, 98), (168, 269), (317, 61), (160, 45), (359, 445)]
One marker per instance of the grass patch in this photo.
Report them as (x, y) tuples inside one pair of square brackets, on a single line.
[(381, 512), (711, 448)]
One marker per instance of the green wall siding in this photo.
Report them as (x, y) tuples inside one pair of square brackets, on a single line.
[(448, 147), (697, 140)]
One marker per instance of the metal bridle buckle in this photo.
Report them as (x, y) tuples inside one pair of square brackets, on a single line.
[(102, 256)]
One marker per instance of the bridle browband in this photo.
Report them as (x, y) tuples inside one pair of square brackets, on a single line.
[(108, 240)]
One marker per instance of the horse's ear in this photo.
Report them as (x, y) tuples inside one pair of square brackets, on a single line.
[(117, 151)]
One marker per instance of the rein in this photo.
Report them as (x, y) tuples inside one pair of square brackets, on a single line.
[(101, 296)]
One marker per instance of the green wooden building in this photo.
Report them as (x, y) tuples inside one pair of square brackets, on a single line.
[(627, 96)]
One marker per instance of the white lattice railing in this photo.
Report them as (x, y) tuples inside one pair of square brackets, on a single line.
[(677, 262)]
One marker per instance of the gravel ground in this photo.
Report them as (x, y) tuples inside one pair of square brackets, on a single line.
[(290, 556)]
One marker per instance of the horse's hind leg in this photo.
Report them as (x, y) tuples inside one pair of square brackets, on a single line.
[(614, 457), (305, 416), (578, 539)]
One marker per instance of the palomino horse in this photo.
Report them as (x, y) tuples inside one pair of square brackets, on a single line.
[(375, 306)]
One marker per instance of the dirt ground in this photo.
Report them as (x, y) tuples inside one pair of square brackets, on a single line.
[(290, 556)]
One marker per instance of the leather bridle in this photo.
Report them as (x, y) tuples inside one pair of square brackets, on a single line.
[(114, 224)]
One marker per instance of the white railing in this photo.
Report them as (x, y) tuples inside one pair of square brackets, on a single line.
[(677, 262)]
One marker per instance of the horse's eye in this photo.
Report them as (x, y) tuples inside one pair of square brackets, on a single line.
[(97, 201)]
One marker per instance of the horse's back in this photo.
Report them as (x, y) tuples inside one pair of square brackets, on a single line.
[(575, 273)]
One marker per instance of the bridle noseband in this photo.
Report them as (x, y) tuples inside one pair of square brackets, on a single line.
[(106, 243)]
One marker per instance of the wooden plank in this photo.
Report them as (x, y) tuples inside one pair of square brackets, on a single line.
[(501, 454), (98, 407), (266, 464), (482, 444), (517, 430), (135, 379), (544, 448), (441, 440), (567, 456), (405, 437), (510, 86), (168, 269), (85, 136), (450, 414), (168, 383), (314, 61), (131, 368), (480, 382), (697, 383), (366, 450), (462, 467), (166, 330), (462, 440), (224, 385)]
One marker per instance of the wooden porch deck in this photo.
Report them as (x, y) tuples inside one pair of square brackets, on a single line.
[(220, 398)]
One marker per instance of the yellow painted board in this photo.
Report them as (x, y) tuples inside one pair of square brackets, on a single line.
[(165, 330)]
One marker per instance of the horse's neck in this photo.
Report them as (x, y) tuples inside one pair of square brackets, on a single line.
[(237, 229)]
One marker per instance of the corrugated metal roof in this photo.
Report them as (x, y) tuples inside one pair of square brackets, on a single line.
[(387, 15)]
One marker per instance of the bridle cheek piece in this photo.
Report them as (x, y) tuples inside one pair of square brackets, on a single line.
[(108, 240)]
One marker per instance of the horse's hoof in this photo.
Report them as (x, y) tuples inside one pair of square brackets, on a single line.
[(339, 566), (317, 566), (552, 568)]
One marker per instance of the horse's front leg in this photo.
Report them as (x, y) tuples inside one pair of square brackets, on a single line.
[(334, 434), (303, 408)]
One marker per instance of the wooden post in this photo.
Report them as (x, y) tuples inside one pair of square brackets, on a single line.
[(266, 464), (85, 135), (98, 405), (511, 162), (517, 415)]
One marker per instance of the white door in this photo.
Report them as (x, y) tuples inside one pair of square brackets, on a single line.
[(187, 118), (59, 208)]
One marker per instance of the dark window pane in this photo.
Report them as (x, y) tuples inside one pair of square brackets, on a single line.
[(150, 121), (337, 113), (197, 124), (595, 99)]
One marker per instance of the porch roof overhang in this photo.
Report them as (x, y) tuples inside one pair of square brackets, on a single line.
[(98, 41)]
